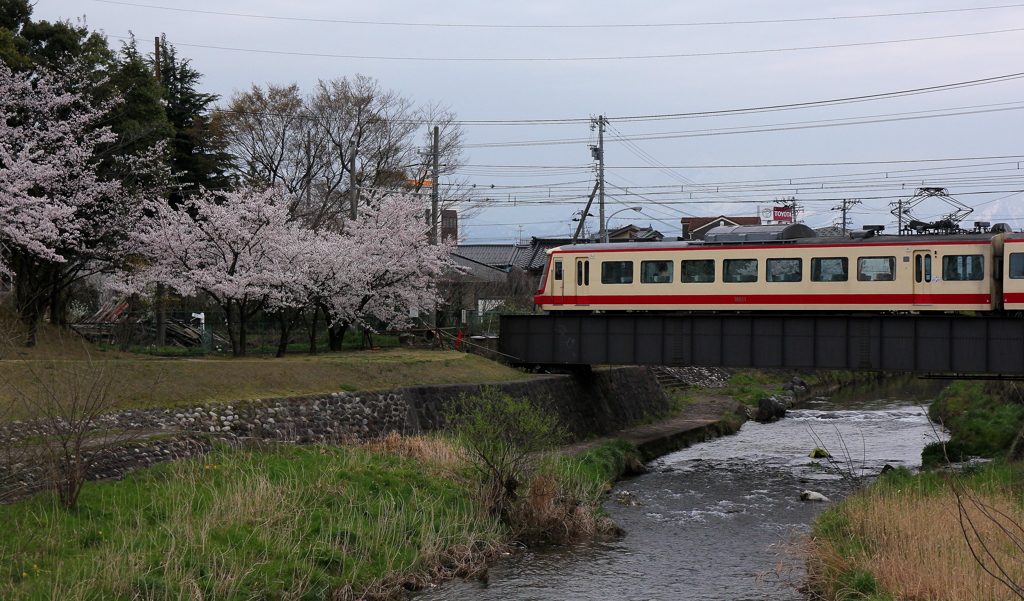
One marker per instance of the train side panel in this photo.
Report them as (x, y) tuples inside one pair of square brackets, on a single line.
[(897, 276), (1013, 273)]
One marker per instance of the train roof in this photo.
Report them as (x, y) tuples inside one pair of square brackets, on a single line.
[(813, 240)]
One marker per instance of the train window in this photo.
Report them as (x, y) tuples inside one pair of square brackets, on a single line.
[(963, 267), (876, 269), (616, 272), (586, 273), (1017, 266), (830, 269), (558, 270), (784, 270), (739, 270), (655, 272), (579, 273), (697, 271)]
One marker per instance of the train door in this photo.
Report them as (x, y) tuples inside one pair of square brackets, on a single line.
[(923, 277), (559, 283), (581, 282)]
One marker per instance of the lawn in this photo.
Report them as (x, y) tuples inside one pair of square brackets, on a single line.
[(145, 381)]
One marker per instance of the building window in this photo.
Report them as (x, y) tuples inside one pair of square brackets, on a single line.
[(739, 270), (697, 271), (784, 270), (830, 269), (655, 272), (876, 269), (616, 272), (963, 267)]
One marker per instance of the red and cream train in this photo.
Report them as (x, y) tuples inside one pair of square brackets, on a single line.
[(788, 268)]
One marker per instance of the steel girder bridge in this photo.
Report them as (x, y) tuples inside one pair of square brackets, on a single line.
[(940, 345)]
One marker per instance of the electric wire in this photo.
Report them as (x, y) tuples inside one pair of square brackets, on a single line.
[(563, 26), (551, 59)]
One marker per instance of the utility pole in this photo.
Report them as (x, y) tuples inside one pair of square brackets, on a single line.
[(598, 153), (161, 309), (435, 189), (353, 187), (845, 205)]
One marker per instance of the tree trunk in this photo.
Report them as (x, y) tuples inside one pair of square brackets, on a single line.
[(232, 336), (243, 327), (336, 336), (311, 329), (286, 325)]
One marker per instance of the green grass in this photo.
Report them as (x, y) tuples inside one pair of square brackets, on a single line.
[(748, 395), (167, 382), (983, 420), (284, 522), (289, 523)]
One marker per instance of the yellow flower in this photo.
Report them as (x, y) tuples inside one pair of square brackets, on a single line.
[(207, 467), (101, 532)]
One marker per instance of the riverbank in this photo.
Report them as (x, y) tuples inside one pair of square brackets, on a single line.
[(950, 534), (367, 521), (232, 512)]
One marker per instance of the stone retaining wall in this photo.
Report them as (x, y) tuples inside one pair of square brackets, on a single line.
[(592, 403)]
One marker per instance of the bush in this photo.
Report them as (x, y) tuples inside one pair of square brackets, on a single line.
[(504, 436), (983, 419)]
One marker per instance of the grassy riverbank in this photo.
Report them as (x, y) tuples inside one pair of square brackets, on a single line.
[(953, 534), (903, 538), (287, 522), (140, 381)]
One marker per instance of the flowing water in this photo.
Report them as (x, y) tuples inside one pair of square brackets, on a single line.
[(709, 522)]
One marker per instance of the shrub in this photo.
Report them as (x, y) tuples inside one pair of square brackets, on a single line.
[(503, 436), (983, 419)]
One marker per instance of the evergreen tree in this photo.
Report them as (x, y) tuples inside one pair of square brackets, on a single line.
[(197, 153)]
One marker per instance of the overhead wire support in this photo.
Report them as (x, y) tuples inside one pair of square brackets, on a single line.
[(845, 205), (597, 152)]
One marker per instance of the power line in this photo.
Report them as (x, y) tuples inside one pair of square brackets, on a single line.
[(768, 165), (673, 116), (485, 59), (794, 126), (579, 26)]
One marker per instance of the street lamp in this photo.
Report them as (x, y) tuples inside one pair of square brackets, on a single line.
[(604, 226)]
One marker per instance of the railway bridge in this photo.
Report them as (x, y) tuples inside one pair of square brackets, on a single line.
[(936, 345)]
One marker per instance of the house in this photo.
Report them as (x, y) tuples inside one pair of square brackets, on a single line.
[(694, 228), (635, 233)]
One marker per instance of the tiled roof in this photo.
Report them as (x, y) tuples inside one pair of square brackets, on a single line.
[(474, 270), (495, 255)]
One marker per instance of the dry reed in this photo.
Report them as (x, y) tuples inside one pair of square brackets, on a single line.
[(915, 547)]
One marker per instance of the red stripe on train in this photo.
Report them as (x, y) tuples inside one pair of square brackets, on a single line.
[(765, 299)]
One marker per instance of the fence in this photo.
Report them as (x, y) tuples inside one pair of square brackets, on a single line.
[(188, 335)]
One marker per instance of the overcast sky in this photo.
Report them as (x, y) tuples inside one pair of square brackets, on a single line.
[(652, 58)]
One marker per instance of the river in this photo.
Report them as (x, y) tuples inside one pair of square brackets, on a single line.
[(711, 521)]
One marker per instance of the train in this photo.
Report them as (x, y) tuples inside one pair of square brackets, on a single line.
[(789, 268)]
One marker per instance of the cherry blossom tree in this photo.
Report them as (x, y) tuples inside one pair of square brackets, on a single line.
[(59, 220), (391, 270), (237, 247)]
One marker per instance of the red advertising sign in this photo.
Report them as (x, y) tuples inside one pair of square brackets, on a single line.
[(782, 214)]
